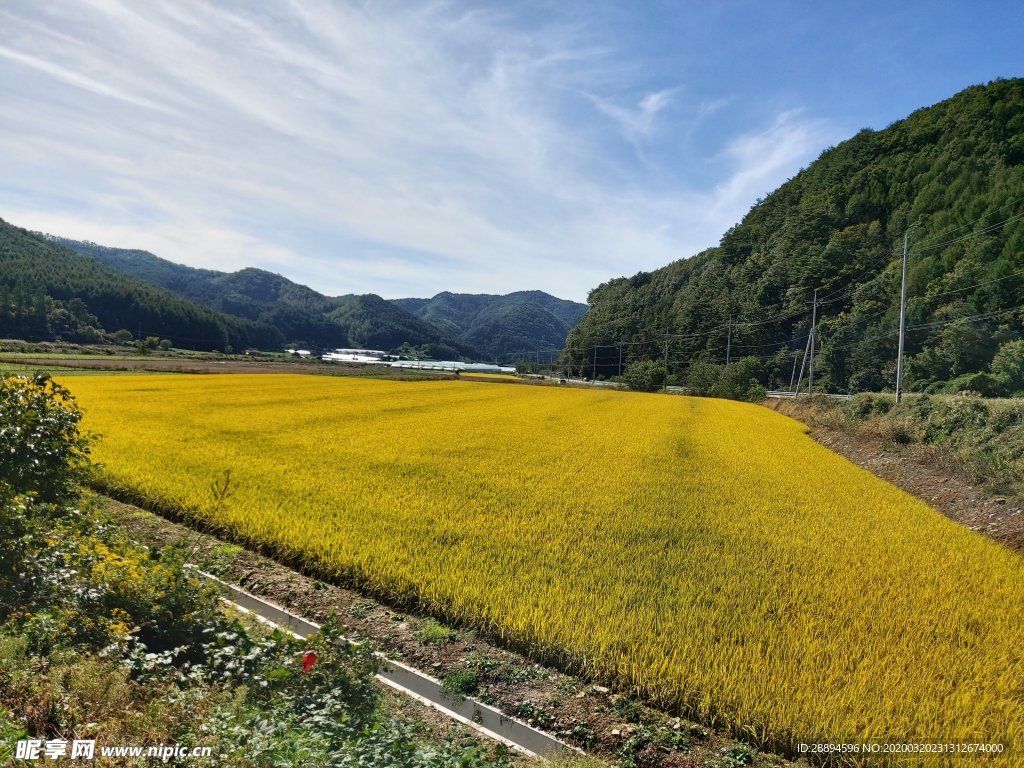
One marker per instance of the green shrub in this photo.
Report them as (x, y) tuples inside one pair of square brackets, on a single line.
[(1008, 417), (644, 376), (921, 407), (881, 404), (43, 452), (960, 414), (984, 384), (628, 710), (535, 714), (702, 378), (462, 682), (1008, 365), (435, 633), (861, 405), (738, 756)]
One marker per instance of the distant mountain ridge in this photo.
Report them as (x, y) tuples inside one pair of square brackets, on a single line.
[(503, 327), (446, 326), (297, 311)]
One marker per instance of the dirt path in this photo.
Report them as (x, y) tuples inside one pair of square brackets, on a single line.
[(921, 473), (591, 717)]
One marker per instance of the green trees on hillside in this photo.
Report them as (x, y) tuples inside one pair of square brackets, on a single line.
[(288, 311), (49, 292), (502, 328), (951, 174)]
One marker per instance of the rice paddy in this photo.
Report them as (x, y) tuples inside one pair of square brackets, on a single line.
[(705, 554)]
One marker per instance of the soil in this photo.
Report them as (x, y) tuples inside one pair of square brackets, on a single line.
[(591, 717), (926, 475)]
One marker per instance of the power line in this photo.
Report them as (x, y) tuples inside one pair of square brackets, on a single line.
[(975, 221), (984, 231), (969, 287), (848, 289), (841, 294), (693, 335), (831, 348), (797, 313), (922, 326), (920, 248), (970, 318), (885, 311), (775, 344), (973, 318)]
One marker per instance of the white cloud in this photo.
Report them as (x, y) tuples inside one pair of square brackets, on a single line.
[(761, 159), (226, 249), (636, 122), (74, 78), (386, 147)]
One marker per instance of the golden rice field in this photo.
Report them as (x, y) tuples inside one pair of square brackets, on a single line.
[(703, 552)]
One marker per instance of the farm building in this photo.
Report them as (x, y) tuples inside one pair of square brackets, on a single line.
[(450, 365), (368, 356)]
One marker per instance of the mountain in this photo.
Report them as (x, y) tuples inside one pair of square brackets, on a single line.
[(299, 313), (503, 327), (49, 291), (950, 175)]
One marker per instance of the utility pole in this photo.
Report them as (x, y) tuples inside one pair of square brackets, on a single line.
[(813, 340), (593, 373), (792, 376), (803, 362), (728, 343), (903, 320), (620, 358), (666, 362)]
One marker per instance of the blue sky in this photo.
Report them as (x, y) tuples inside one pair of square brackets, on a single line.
[(405, 148)]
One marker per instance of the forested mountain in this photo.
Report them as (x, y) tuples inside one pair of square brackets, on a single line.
[(48, 291), (448, 325), (950, 175), (503, 327), (298, 312)]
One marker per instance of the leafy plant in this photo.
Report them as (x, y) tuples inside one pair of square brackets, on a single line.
[(535, 714), (435, 633), (43, 453), (628, 710), (462, 682), (738, 756)]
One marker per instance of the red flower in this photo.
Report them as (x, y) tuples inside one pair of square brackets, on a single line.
[(308, 660)]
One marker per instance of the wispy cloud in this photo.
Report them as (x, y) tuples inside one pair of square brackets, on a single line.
[(76, 79), (637, 121), (759, 159), (387, 147)]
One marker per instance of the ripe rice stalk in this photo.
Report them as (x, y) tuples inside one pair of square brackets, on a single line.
[(707, 553)]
